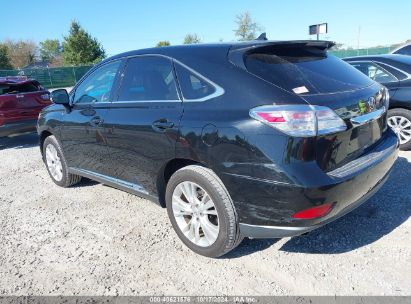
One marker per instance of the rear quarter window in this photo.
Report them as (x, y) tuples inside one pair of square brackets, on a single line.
[(304, 70)]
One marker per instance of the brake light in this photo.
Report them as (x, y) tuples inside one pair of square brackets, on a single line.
[(314, 212), (45, 97), (300, 120)]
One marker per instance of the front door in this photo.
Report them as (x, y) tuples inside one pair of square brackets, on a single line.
[(142, 123), (82, 134)]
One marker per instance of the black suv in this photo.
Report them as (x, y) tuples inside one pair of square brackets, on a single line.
[(257, 139)]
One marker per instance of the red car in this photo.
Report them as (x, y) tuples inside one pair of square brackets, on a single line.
[(21, 100)]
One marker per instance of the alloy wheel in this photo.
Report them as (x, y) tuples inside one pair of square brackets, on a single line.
[(402, 127), (195, 214), (54, 163)]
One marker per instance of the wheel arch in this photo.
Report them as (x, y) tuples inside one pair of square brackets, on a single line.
[(167, 171), (43, 135)]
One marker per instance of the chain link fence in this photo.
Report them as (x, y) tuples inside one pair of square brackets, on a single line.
[(68, 76), (51, 77), (362, 52)]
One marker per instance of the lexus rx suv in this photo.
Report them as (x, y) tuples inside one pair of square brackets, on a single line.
[(259, 139), (21, 100)]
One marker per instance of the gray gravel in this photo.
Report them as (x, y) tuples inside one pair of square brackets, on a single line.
[(95, 240)]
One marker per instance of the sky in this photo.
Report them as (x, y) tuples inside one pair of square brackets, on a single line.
[(123, 25)]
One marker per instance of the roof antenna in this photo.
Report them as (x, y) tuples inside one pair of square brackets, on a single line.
[(263, 36)]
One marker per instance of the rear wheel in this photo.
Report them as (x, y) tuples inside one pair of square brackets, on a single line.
[(400, 121), (201, 211), (56, 163)]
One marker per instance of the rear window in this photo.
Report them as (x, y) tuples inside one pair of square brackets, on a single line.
[(304, 70), (19, 88)]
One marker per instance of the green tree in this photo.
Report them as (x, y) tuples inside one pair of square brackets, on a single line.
[(5, 63), (191, 39), (79, 48), (50, 49), (163, 43), (246, 27)]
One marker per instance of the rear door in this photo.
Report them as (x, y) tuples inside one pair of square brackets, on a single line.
[(9, 111), (142, 123)]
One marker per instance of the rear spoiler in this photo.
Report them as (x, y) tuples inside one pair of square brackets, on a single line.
[(237, 51)]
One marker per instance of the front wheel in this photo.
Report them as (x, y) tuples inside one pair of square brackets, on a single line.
[(400, 121), (56, 163), (201, 211)]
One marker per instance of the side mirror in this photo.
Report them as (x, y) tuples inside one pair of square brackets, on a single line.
[(60, 96)]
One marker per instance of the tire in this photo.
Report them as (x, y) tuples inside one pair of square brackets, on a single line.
[(67, 179), (399, 118), (208, 184)]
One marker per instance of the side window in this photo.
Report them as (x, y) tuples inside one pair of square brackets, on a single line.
[(97, 86), (27, 87), (374, 72), (19, 88), (192, 86), (148, 78), (406, 50), (6, 89)]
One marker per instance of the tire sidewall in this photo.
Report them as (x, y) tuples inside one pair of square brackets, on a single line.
[(218, 247)]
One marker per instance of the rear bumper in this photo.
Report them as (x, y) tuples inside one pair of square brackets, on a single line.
[(256, 231), (267, 207), (18, 127)]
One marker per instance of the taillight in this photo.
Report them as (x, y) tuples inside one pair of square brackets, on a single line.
[(45, 97), (300, 120), (314, 212)]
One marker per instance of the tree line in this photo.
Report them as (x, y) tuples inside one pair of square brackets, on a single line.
[(80, 48), (77, 48)]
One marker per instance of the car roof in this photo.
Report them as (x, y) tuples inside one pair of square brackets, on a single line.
[(401, 62), (16, 80), (393, 57), (223, 46)]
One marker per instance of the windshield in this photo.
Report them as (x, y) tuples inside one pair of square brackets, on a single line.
[(304, 70)]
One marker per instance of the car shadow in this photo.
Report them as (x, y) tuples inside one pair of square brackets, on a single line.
[(86, 182), (249, 246), (381, 214), (19, 141)]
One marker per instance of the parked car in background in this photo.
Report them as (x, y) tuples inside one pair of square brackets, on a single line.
[(403, 50), (255, 139), (394, 72), (21, 101)]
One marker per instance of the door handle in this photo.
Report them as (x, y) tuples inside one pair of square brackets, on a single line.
[(95, 121), (162, 124), (19, 96)]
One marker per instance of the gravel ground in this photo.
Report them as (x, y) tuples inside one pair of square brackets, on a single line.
[(95, 240)]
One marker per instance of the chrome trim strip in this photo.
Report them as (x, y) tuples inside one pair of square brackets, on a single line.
[(218, 90), (366, 118), (135, 189)]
